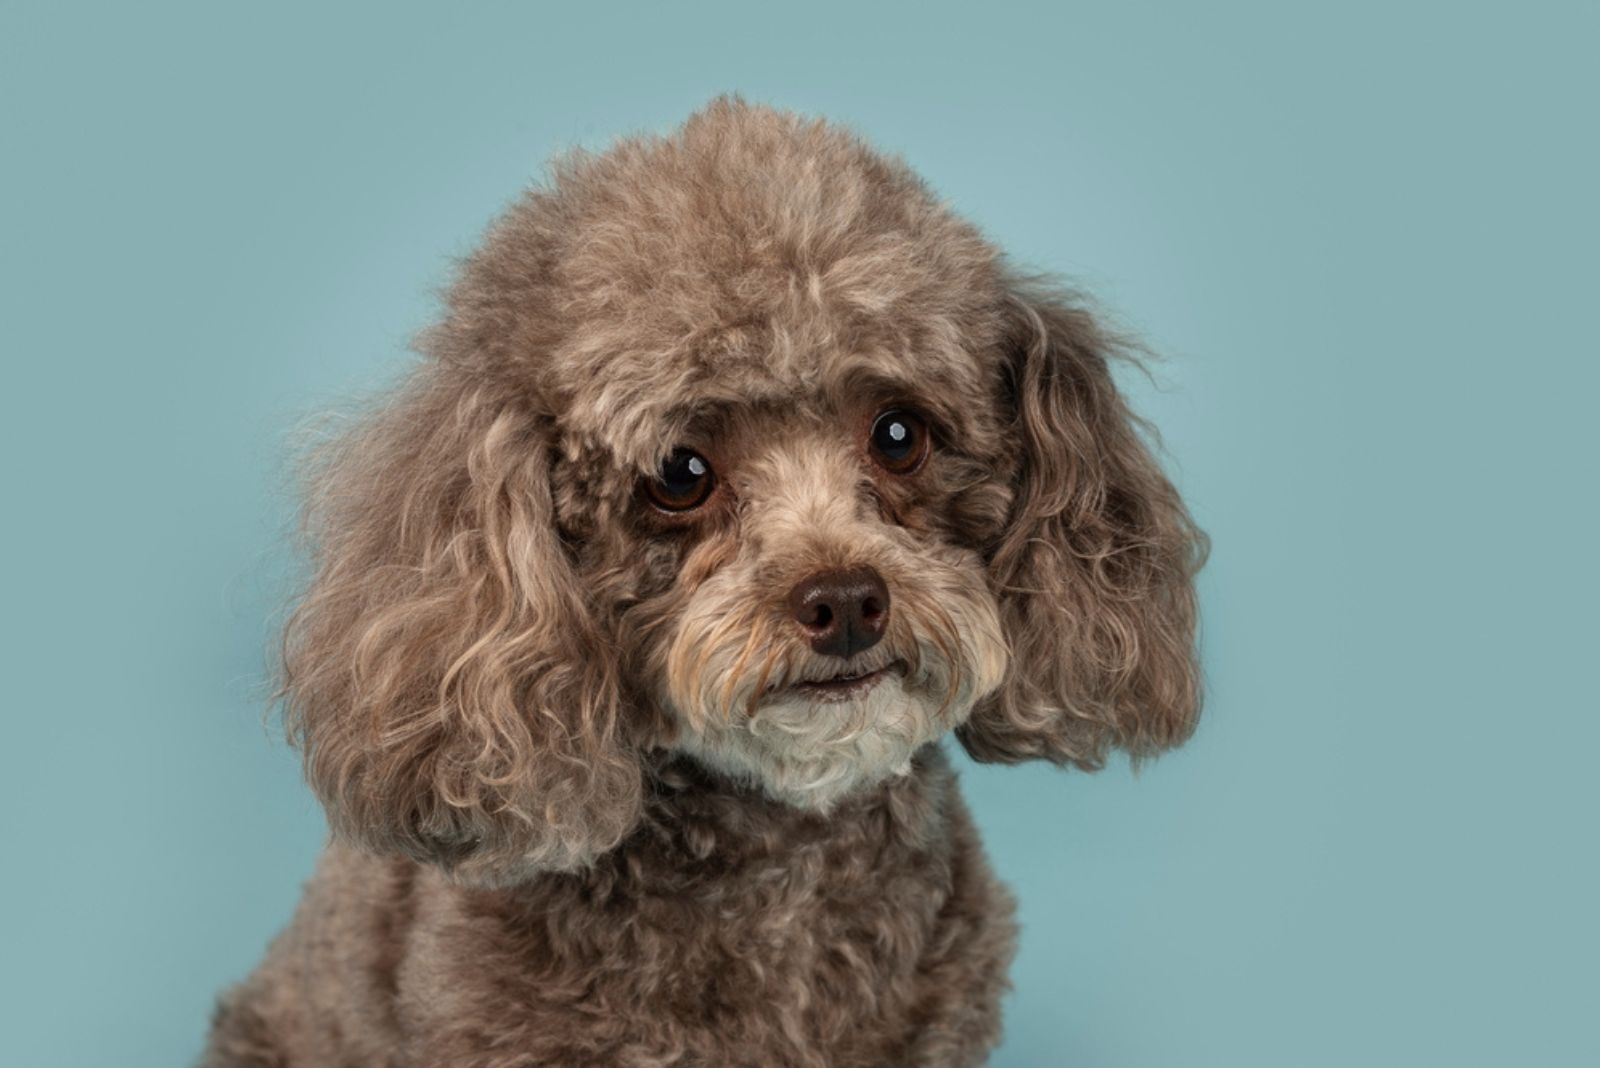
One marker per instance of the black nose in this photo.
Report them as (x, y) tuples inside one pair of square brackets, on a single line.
[(841, 612)]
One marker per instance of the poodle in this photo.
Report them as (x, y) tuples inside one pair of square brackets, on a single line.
[(738, 472)]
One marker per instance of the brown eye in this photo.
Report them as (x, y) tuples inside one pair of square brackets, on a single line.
[(684, 482), (899, 441)]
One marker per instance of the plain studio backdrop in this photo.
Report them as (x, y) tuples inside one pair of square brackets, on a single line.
[(1363, 238)]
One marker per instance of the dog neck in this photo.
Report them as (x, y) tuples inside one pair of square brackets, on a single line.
[(703, 832), (703, 814)]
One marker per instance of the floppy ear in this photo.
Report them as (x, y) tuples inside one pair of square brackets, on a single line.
[(444, 676), (1095, 567)]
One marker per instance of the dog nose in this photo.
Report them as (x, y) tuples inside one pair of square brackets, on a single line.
[(841, 612)]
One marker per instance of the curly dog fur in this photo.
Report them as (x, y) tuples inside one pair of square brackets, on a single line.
[(600, 792)]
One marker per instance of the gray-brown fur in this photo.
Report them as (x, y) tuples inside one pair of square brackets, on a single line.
[(584, 812)]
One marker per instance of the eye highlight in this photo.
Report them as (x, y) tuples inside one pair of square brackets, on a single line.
[(683, 483), (899, 441)]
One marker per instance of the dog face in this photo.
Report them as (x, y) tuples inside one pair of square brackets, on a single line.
[(822, 622), (735, 444)]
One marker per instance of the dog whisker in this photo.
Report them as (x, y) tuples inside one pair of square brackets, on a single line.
[(759, 689), (736, 672)]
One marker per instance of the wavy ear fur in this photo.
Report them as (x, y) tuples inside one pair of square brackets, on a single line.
[(1095, 567), (440, 675)]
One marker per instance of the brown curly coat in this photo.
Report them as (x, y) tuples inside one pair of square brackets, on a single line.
[(576, 819)]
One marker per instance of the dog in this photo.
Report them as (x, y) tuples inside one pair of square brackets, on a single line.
[(738, 472)]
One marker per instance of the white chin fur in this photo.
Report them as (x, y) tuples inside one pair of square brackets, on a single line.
[(811, 753)]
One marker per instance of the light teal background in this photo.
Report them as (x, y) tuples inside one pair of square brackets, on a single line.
[(1364, 236)]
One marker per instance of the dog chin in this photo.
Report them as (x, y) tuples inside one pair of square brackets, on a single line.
[(810, 749)]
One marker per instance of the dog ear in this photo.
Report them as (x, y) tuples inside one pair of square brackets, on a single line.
[(444, 675), (1094, 569)]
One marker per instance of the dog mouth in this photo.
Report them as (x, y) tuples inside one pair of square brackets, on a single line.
[(847, 685)]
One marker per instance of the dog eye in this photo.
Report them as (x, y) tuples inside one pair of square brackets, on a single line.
[(684, 482), (899, 441)]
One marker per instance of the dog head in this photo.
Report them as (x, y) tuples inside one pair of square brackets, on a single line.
[(736, 444)]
